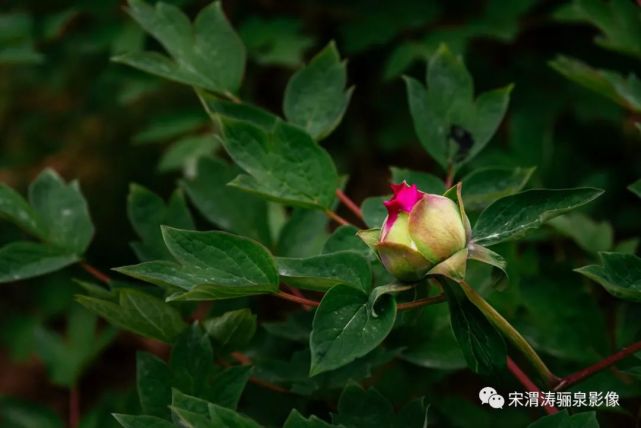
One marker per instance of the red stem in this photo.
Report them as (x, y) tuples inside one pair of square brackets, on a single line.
[(422, 302), (595, 368), (95, 272), (296, 292), (528, 384), (449, 180), (338, 219), (296, 299), (74, 407), (351, 205)]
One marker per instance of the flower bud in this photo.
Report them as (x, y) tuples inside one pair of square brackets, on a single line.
[(422, 234)]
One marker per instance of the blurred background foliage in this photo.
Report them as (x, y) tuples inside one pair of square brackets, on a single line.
[(573, 115)]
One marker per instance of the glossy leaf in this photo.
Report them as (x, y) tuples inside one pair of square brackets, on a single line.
[(320, 273), (24, 259), (296, 420), (142, 421), (233, 329), (315, 97), (345, 329), (138, 312), (284, 165), (206, 53), (484, 186), (374, 212), (513, 216), (619, 274), (426, 182), (153, 383), (211, 265)]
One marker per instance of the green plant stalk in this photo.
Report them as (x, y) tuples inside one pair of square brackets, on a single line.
[(510, 332)]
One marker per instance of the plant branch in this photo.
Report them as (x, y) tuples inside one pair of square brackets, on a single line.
[(74, 407), (351, 205), (528, 384), (597, 367), (421, 302), (449, 180), (296, 299), (100, 276), (512, 334), (338, 219)]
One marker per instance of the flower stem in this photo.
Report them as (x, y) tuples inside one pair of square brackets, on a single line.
[(510, 332), (104, 278), (338, 219), (297, 299), (421, 302), (528, 384), (597, 367), (351, 205)]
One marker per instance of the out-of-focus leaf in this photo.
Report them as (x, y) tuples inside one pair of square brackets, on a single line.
[(564, 420), (277, 41), (304, 234), (16, 40), (588, 234), (619, 274), (185, 153), (426, 182), (167, 127), (142, 421), (16, 413), (635, 187), (363, 408), (24, 259), (296, 420), (374, 212), (233, 329)]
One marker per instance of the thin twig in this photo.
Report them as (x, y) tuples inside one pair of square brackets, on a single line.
[(599, 366), (95, 272), (528, 384), (421, 302), (351, 205), (297, 299), (296, 292), (74, 407), (449, 180), (338, 219)]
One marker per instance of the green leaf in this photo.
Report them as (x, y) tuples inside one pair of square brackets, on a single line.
[(359, 408), (451, 125), (623, 90), (635, 187), (296, 420), (304, 234), (384, 290), (619, 274), (15, 209), (590, 235), (211, 265), (315, 97), (165, 127), (484, 186), (320, 273), (153, 383), (563, 419), (239, 111), (185, 153), (191, 362), (344, 328), (374, 212), (147, 212), (138, 312), (63, 212), (228, 385), (233, 329), (482, 345), (23, 259), (221, 204), (513, 216), (344, 238), (16, 413), (142, 421), (206, 53), (190, 403), (223, 417), (426, 182), (284, 165), (275, 41)]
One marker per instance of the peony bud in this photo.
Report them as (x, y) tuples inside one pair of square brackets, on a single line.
[(422, 234)]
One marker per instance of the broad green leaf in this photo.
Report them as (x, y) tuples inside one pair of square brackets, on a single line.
[(320, 273), (239, 111), (142, 421), (363, 408), (63, 212), (222, 204), (153, 383), (304, 234), (188, 419), (66, 357), (635, 187), (185, 153), (284, 164), (138, 312), (190, 403), (224, 417), (345, 329), (484, 186), (296, 327), (623, 90), (374, 212), (147, 212), (619, 274), (513, 216), (452, 126), (482, 345), (191, 362), (15, 209), (426, 182), (563, 419), (588, 234), (228, 385), (206, 53), (315, 97), (233, 329), (24, 259), (275, 41), (211, 265), (296, 420), (344, 238)]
